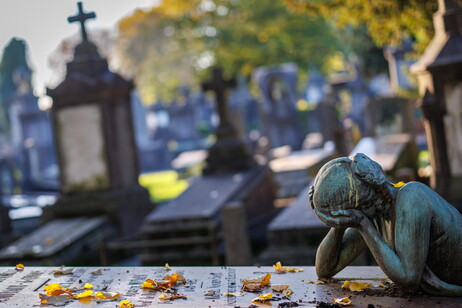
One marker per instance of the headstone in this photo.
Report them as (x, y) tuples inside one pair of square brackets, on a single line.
[(438, 74), (399, 65), (278, 90), (207, 287), (244, 109), (182, 122), (95, 142), (206, 116), (359, 98), (189, 229), (230, 152)]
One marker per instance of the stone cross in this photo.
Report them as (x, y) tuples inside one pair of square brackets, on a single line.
[(219, 85), (82, 17)]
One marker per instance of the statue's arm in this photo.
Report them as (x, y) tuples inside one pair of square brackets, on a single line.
[(406, 264), (338, 249)]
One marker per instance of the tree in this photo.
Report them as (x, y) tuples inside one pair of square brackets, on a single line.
[(175, 42), (387, 22)]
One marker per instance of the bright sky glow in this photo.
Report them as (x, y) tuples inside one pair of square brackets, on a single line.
[(43, 25)]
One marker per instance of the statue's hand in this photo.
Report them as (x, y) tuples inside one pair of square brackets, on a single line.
[(341, 218)]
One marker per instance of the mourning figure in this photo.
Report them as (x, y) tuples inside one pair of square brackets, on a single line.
[(414, 234)]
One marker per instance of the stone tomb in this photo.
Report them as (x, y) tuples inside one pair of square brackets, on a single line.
[(58, 242), (190, 228), (21, 288)]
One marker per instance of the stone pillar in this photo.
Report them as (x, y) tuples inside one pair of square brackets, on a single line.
[(439, 73)]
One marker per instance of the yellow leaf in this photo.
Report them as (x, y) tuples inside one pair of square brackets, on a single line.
[(19, 267), (232, 294), (69, 271), (53, 289), (167, 267), (356, 286), (342, 301), (107, 295), (125, 304), (149, 284), (263, 298), (399, 184), (315, 282), (88, 286), (85, 294), (287, 292), (294, 270)]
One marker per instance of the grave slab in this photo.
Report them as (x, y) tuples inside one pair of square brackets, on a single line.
[(21, 288)]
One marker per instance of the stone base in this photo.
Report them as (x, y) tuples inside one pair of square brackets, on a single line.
[(126, 208)]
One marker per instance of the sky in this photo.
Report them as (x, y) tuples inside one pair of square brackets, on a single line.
[(43, 25)]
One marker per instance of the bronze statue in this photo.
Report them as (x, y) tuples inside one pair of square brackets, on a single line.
[(413, 233)]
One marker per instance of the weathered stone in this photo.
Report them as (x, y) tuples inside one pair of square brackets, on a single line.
[(21, 288)]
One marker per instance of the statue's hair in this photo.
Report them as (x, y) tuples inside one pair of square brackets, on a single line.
[(339, 184)]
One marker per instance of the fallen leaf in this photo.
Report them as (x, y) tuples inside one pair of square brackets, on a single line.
[(343, 301), (263, 298), (97, 272), (255, 285), (174, 278), (294, 270), (149, 284), (55, 300), (356, 286), (84, 294), (232, 294), (167, 267), (279, 287), (106, 296), (88, 286), (68, 271), (125, 304), (53, 289), (315, 282), (164, 296), (209, 293), (19, 267)]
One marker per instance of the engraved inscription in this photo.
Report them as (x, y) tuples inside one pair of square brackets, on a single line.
[(231, 285)]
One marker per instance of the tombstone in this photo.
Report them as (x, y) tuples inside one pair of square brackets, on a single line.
[(192, 229), (279, 96), (244, 109), (315, 93), (206, 117), (359, 98), (182, 122), (205, 286), (399, 65), (31, 136), (151, 138), (96, 152), (439, 76)]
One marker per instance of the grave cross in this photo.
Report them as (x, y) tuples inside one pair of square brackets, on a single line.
[(219, 85), (82, 17)]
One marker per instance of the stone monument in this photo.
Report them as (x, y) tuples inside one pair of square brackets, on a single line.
[(411, 231), (95, 141), (440, 84)]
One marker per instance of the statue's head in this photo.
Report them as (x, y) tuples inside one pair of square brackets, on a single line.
[(348, 183)]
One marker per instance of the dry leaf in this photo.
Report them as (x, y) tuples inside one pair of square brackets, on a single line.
[(149, 284), (84, 294), (356, 286), (54, 289), (283, 269), (69, 271), (167, 267), (255, 285), (55, 300), (106, 296), (97, 272), (125, 304), (263, 298), (343, 301), (88, 286), (279, 287), (164, 296), (232, 294), (19, 267), (174, 278), (315, 282)]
